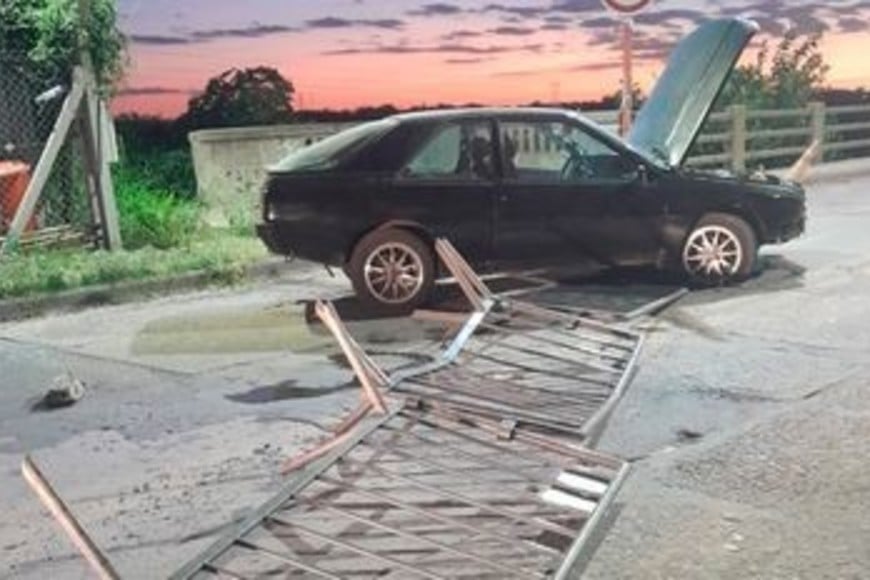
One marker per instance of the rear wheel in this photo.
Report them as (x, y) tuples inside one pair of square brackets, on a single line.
[(392, 271), (722, 248)]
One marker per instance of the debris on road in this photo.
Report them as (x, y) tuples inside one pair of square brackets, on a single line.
[(65, 390), (474, 464)]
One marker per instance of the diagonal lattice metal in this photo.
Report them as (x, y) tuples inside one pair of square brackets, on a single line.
[(540, 369), (425, 492)]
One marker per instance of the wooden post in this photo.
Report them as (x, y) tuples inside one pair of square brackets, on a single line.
[(58, 509), (98, 160), (738, 138)]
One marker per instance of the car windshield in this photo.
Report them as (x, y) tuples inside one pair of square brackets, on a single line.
[(327, 153), (655, 156)]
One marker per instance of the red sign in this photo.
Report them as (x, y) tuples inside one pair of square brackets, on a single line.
[(626, 6)]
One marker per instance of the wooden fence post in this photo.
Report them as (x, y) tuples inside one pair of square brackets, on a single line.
[(738, 138), (817, 122)]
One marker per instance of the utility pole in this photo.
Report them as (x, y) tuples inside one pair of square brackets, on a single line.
[(624, 9), (627, 106)]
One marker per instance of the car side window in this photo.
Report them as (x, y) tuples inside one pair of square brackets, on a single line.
[(556, 152), (461, 151)]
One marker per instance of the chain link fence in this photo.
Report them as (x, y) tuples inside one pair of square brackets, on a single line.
[(29, 108)]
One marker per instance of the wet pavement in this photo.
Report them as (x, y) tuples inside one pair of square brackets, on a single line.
[(747, 423)]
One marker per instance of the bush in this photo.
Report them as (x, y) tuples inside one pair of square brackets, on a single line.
[(152, 217)]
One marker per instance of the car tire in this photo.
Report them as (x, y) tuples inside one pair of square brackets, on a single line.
[(720, 249), (392, 271)]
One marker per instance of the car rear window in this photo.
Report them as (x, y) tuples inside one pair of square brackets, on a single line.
[(329, 152)]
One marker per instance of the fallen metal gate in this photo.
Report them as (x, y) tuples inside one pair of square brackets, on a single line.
[(533, 367), (425, 492), (471, 466)]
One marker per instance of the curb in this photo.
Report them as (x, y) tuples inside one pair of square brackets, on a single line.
[(16, 309)]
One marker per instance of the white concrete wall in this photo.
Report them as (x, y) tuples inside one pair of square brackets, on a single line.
[(230, 164)]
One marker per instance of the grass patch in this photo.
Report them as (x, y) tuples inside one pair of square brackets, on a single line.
[(221, 255), (150, 216)]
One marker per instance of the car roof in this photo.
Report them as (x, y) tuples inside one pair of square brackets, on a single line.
[(441, 115)]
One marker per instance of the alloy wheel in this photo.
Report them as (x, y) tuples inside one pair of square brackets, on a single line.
[(393, 273), (713, 252)]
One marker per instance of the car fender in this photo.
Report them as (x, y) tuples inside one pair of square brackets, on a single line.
[(410, 225), (743, 211)]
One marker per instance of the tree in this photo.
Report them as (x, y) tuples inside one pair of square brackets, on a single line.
[(240, 97), (47, 34), (787, 78)]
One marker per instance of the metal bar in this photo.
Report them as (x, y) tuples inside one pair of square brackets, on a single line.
[(408, 458), (465, 334), (55, 142), (367, 492), (580, 545), (476, 457), (292, 487), (542, 313), (223, 572), (531, 369), (507, 514), (543, 442), (553, 342), (427, 421), (657, 305), (303, 459), (574, 391), (60, 512), (549, 356), (435, 543), (354, 548), (370, 379), (595, 423), (287, 559), (464, 268), (504, 406)]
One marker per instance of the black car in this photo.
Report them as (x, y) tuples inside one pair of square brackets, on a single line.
[(531, 186)]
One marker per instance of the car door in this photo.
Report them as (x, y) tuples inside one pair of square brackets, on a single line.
[(567, 194), (447, 185)]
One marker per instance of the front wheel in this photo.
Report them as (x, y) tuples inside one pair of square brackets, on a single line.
[(722, 248), (392, 271)]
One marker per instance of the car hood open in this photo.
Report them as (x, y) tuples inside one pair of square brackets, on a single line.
[(669, 122)]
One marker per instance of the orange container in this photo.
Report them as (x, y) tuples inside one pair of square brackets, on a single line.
[(14, 179)]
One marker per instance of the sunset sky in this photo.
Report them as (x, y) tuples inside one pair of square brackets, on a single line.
[(348, 53)]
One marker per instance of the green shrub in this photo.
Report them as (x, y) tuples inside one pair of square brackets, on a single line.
[(152, 217)]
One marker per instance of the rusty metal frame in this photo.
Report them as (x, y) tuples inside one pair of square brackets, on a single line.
[(600, 356), (536, 522)]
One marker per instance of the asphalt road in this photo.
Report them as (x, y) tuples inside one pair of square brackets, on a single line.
[(748, 423)]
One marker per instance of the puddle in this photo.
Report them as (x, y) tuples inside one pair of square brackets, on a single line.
[(284, 391), (220, 332), (267, 329)]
